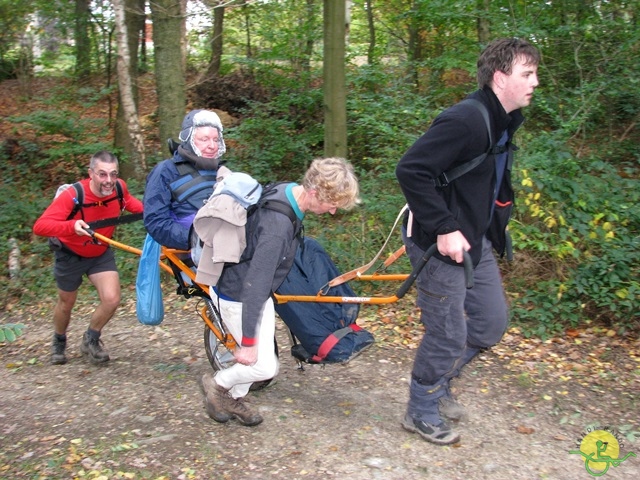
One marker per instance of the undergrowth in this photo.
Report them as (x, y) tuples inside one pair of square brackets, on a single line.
[(575, 228)]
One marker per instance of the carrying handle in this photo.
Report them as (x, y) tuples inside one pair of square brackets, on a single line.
[(468, 270)]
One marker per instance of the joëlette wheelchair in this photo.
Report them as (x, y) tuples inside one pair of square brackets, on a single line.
[(220, 344)]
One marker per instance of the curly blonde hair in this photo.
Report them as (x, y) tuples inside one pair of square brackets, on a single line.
[(334, 181)]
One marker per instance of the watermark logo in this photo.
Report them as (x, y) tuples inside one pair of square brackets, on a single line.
[(600, 448)]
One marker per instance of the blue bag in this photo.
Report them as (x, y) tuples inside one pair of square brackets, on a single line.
[(328, 332), (149, 306)]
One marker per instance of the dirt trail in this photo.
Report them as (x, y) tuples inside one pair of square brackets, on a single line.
[(143, 415)]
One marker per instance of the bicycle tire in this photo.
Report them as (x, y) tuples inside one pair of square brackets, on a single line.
[(218, 355)]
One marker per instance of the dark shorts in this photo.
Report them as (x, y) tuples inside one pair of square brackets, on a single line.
[(69, 269)]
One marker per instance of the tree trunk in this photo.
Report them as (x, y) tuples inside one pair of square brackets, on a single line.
[(216, 42), (126, 92), (484, 27), (168, 19), (134, 18), (310, 41), (335, 108), (415, 47), (247, 25), (83, 43), (371, 51), (14, 259)]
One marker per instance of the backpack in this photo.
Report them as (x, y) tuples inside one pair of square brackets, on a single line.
[(79, 198), (327, 332), (54, 242), (217, 222)]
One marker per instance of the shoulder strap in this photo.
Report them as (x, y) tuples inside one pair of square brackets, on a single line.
[(78, 201), (185, 168), (449, 176), (279, 206), (79, 204), (186, 189), (120, 193)]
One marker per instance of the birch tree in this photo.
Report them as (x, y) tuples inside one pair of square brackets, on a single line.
[(127, 99)]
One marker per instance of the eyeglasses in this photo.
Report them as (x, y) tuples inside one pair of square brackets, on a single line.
[(105, 175)]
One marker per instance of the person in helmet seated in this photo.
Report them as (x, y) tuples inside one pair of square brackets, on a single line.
[(177, 187)]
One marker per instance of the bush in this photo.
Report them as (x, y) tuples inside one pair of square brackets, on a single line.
[(580, 217)]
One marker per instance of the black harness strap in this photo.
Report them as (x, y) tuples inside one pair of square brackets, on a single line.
[(110, 222), (446, 178)]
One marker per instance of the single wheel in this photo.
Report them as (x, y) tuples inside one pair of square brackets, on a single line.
[(218, 355)]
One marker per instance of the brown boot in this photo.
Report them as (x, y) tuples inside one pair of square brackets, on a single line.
[(238, 408), (215, 399)]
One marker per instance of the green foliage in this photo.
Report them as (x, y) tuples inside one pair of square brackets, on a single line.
[(576, 236), (9, 332), (580, 218), (55, 145), (278, 139), (385, 118), (18, 211)]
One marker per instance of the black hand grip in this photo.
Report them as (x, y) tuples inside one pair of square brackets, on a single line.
[(406, 285), (468, 269), (508, 246)]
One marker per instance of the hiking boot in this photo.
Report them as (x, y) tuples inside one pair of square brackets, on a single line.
[(93, 348), (238, 408), (57, 351), (440, 434), (215, 399), (449, 407)]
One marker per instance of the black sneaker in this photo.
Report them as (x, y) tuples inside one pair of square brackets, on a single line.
[(440, 434), (57, 351), (93, 348)]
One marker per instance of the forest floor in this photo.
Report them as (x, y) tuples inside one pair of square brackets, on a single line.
[(532, 404)]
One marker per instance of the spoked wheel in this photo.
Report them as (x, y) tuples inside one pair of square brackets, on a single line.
[(217, 353)]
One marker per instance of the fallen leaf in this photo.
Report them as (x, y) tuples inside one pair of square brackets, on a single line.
[(524, 430)]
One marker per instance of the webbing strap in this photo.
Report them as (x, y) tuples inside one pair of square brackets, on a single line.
[(446, 178), (332, 340), (356, 272), (191, 180), (110, 222)]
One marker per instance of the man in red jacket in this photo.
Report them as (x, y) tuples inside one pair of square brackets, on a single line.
[(78, 254)]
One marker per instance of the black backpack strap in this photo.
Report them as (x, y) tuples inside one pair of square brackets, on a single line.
[(79, 204), (280, 206), (286, 209), (449, 176), (78, 201), (120, 194), (195, 184)]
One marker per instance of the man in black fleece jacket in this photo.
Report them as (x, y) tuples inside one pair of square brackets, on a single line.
[(467, 215)]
